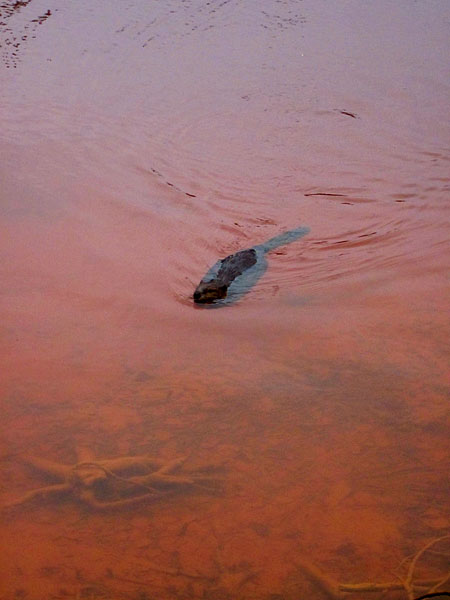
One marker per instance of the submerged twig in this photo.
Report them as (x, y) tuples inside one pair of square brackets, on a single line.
[(338, 591)]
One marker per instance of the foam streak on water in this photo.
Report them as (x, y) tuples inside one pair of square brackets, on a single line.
[(142, 141)]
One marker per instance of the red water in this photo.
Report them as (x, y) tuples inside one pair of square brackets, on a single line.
[(141, 141)]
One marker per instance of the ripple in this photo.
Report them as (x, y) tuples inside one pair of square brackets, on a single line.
[(223, 125)]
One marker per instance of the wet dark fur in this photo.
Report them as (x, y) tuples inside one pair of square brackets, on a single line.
[(213, 288), (231, 267)]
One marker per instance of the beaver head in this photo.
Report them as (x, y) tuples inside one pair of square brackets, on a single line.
[(208, 291)]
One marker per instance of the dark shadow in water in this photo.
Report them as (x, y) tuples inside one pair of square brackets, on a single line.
[(244, 283), (434, 595)]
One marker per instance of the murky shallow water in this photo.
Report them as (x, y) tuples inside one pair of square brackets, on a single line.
[(141, 141)]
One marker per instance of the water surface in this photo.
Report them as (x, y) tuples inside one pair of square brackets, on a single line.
[(142, 141)]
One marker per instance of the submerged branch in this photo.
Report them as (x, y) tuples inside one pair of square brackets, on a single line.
[(338, 591)]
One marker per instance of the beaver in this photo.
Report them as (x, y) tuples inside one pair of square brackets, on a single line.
[(213, 288)]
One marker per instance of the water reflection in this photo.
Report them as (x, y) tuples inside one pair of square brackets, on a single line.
[(15, 29), (140, 142)]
